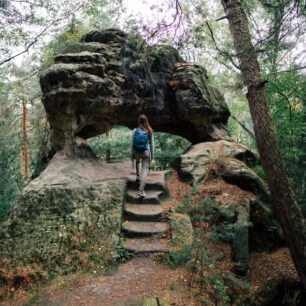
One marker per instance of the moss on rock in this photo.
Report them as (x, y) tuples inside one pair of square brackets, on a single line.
[(181, 230), (64, 227)]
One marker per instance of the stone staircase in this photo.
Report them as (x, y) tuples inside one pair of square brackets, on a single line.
[(143, 228)]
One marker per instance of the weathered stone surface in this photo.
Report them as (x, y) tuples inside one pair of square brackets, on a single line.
[(247, 222), (68, 218), (152, 196), (236, 172), (147, 244), (154, 181), (145, 212), (144, 218), (114, 77), (194, 164), (142, 228)]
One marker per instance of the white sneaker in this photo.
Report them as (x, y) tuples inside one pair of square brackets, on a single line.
[(141, 194)]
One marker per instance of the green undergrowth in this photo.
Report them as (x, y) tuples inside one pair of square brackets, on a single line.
[(179, 257), (201, 210), (121, 254), (209, 282)]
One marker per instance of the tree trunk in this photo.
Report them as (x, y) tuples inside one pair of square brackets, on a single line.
[(24, 150), (285, 205)]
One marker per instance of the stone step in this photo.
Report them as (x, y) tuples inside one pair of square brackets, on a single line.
[(139, 228), (154, 181), (153, 196), (148, 244), (143, 212)]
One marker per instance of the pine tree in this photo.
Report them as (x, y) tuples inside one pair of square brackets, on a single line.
[(285, 205)]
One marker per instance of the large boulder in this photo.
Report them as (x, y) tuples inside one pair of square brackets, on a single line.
[(114, 77), (195, 163), (67, 219), (235, 199)]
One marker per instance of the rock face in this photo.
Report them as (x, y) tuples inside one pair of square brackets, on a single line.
[(67, 219), (194, 164), (236, 200), (115, 77)]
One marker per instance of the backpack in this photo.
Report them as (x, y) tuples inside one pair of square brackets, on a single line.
[(140, 140)]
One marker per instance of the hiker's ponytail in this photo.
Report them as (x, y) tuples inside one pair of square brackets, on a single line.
[(143, 122)]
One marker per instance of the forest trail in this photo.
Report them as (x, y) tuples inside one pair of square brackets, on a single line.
[(143, 278), (144, 226), (140, 280), (137, 282)]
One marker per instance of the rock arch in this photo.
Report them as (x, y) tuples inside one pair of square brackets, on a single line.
[(114, 77)]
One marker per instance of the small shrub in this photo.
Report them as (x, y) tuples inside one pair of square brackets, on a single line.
[(222, 297), (175, 259), (121, 254), (195, 189)]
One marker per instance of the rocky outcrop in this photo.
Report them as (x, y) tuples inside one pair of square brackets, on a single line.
[(233, 196), (194, 164), (67, 219), (114, 77)]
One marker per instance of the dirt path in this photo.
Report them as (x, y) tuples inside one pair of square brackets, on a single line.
[(136, 280), (142, 277)]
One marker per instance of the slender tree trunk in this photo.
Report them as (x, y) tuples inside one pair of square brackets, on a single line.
[(24, 140), (285, 205)]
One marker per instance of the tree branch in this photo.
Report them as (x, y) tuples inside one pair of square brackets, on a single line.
[(26, 2), (35, 40), (221, 18), (243, 126), (279, 91), (290, 70), (163, 25), (222, 52)]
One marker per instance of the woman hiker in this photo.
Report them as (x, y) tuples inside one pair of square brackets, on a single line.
[(142, 151)]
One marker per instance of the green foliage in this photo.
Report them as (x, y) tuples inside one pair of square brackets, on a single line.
[(220, 289), (9, 184), (201, 210), (118, 142), (178, 258), (121, 254), (64, 42), (195, 189), (10, 179), (203, 259), (221, 232), (212, 287), (25, 23), (287, 97), (12, 141), (258, 170)]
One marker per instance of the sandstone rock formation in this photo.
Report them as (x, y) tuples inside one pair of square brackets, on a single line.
[(115, 77), (238, 199), (68, 218)]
